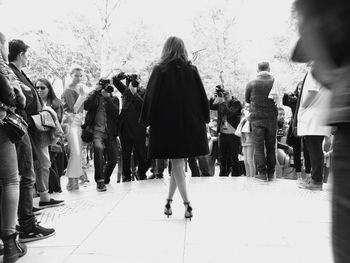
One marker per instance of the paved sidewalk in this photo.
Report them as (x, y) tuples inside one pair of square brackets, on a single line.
[(235, 220)]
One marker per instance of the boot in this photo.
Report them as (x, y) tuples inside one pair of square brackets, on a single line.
[(13, 249)]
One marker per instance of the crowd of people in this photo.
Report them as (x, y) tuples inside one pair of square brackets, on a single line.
[(166, 124)]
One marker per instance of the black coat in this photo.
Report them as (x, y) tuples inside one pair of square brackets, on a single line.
[(176, 109)]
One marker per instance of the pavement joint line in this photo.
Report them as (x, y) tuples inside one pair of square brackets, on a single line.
[(97, 225)]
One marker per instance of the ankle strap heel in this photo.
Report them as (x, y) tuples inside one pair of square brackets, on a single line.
[(188, 211), (167, 209)]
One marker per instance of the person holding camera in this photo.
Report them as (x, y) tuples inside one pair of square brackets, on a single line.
[(102, 117), (229, 114), (132, 134)]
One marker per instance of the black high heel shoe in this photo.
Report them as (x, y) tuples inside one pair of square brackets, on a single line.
[(188, 211), (167, 209)]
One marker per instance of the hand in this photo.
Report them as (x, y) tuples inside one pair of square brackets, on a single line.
[(120, 76), (133, 89), (290, 150), (81, 90), (105, 94), (218, 100)]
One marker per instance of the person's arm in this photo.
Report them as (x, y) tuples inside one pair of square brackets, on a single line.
[(7, 94), (203, 96), (151, 96), (232, 108), (247, 93)]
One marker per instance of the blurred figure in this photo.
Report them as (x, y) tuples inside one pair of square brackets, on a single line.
[(9, 176), (176, 109), (324, 27), (311, 125), (73, 99), (263, 118)]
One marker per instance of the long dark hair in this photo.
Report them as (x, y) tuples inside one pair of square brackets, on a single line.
[(174, 48), (51, 96)]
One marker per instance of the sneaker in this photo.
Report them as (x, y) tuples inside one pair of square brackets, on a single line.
[(37, 232), (312, 185), (152, 176), (37, 211), (101, 187), (51, 203), (261, 177)]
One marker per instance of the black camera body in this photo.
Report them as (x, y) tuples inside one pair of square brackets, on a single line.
[(290, 100), (106, 85), (219, 91), (133, 79)]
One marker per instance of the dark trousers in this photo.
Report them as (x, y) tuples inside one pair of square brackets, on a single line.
[(229, 149), (201, 168), (27, 179), (314, 146), (159, 166), (105, 156), (297, 155), (140, 153), (264, 138), (341, 195)]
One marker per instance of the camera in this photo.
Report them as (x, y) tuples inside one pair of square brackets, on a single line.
[(290, 100), (219, 91), (133, 79), (106, 85)]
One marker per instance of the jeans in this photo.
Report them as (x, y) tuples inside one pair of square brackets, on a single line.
[(42, 164), (9, 185), (341, 195), (229, 149), (105, 156), (200, 169), (27, 180), (264, 137), (314, 146), (297, 155)]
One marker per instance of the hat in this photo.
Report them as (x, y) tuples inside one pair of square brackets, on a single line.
[(299, 54)]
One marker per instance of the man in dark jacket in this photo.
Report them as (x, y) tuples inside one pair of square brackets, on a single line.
[(263, 118), (29, 228), (229, 112), (132, 134), (102, 118)]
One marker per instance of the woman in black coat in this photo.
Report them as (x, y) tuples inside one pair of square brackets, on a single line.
[(176, 109)]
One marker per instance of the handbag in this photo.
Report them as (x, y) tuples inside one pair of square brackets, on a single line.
[(43, 121), (15, 126)]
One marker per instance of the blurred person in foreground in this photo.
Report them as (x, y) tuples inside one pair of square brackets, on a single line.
[(10, 96), (324, 26), (176, 109)]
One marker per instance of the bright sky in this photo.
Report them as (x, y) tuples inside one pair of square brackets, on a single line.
[(259, 19)]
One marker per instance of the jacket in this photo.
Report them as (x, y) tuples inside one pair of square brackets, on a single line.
[(91, 105), (232, 111)]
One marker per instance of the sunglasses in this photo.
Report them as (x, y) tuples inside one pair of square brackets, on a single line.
[(42, 88)]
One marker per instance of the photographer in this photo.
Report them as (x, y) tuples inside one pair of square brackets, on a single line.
[(102, 118), (229, 112), (131, 133)]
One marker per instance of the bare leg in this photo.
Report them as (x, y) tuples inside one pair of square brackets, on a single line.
[(172, 186), (250, 158), (178, 172), (245, 157)]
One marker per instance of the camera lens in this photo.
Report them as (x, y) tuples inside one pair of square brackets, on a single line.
[(109, 89)]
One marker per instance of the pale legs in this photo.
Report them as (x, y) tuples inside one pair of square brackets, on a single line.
[(178, 180), (248, 154)]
